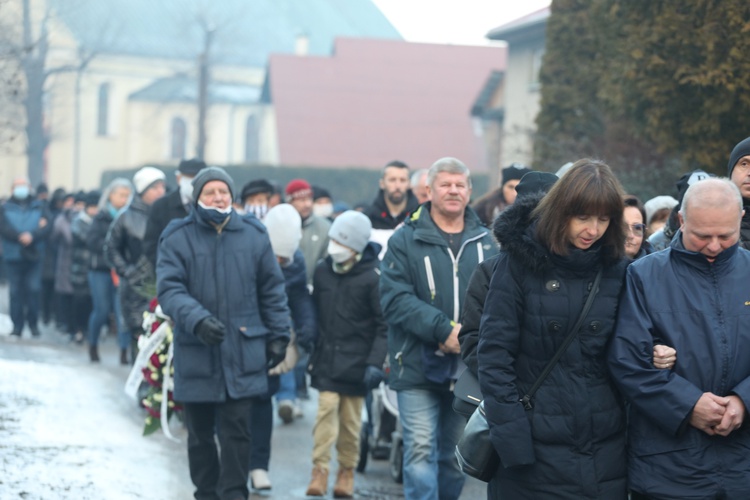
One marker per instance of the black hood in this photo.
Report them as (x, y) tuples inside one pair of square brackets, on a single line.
[(514, 230)]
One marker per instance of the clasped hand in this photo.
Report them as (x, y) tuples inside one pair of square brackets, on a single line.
[(716, 415)]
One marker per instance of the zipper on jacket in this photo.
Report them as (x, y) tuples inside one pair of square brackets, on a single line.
[(430, 277), (455, 260)]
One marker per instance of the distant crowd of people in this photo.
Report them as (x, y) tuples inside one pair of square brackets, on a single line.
[(266, 286)]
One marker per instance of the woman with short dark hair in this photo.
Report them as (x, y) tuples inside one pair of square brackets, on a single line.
[(571, 443)]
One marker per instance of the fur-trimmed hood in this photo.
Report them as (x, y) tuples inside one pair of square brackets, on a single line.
[(514, 230)]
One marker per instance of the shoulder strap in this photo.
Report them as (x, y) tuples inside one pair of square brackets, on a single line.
[(526, 400)]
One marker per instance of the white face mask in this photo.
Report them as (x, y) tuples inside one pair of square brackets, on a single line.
[(323, 210), (339, 253), (186, 188), (226, 210)]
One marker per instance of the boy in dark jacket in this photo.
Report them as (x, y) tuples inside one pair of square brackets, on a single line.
[(351, 347)]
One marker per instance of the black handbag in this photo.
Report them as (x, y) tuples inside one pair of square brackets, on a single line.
[(466, 394), (475, 453)]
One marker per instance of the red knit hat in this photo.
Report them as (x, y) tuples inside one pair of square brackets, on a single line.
[(298, 188)]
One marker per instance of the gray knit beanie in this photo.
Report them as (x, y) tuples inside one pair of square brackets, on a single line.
[(351, 229), (209, 174)]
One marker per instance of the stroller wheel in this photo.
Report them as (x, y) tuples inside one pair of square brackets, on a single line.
[(364, 448)]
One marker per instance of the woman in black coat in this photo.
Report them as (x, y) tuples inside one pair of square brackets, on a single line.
[(572, 443)]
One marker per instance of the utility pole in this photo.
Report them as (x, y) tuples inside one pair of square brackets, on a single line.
[(204, 62)]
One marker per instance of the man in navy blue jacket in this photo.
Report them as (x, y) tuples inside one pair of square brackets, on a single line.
[(24, 227), (218, 279), (686, 438)]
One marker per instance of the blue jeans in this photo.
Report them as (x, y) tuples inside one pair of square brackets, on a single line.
[(25, 280), (105, 301), (287, 387), (431, 431)]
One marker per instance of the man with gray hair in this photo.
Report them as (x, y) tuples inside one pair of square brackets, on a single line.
[(423, 282), (418, 183), (685, 424)]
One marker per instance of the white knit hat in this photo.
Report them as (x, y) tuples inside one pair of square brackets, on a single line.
[(284, 229), (145, 177)]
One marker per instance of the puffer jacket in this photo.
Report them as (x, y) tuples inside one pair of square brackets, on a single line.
[(702, 310), (572, 443), (232, 274), (122, 251), (422, 288), (19, 216), (352, 330)]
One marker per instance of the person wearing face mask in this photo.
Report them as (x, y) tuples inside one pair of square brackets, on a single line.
[(114, 201), (255, 197), (219, 281), (124, 248), (24, 227), (350, 350), (174, 205), (322, 203), (284, 230)]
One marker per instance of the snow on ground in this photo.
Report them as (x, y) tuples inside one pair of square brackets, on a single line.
[(69, 432)]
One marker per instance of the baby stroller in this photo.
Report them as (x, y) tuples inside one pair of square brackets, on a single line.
[(381, 432)]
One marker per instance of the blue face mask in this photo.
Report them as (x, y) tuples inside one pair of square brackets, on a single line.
[(212, 214), (21, 192)]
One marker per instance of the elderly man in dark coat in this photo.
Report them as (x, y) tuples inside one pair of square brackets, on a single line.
[(219, 281)]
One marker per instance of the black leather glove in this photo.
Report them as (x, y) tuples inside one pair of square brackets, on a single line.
[(276, 351), (210, 331), (373, 377)]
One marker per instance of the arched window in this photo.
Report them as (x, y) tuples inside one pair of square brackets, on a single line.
[(102, 117), (178, 138), (252, 153)]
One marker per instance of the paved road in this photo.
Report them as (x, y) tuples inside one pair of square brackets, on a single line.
[(67, 431)]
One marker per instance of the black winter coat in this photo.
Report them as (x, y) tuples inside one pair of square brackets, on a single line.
[(381, 217), (164, 210), (95, 239), (471, 315), (352, 332), (123, 249), (745, 226), (572, 443)]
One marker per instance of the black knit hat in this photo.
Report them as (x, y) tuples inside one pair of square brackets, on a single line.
[(91, 199), (534, 182), (191, 167), (740, 150), (514, 171), (256, 186), (688, 180), (209, 174)]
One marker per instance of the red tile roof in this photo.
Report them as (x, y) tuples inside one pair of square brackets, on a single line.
[(373, 101)]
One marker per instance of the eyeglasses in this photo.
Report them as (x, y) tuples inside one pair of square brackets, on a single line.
[(637, 229)]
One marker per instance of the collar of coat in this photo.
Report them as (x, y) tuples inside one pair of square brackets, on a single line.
[(426, 230), (721, 265)]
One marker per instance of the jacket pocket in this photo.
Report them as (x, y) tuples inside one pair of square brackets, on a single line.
[(648, 439), (252, 347), (348, 365)]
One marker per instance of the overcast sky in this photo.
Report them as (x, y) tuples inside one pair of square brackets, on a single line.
[(453, 21)]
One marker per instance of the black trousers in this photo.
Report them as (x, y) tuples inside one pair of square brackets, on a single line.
[(217, 478)]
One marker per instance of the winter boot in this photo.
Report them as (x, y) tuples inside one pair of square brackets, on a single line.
[(319, 483), (94, 354), (344, 487)]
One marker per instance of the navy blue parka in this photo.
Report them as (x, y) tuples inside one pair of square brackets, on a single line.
[(232, 274)]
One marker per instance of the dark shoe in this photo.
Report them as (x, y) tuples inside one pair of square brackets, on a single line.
[(35, 331), (94, 354), (124, 357)]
